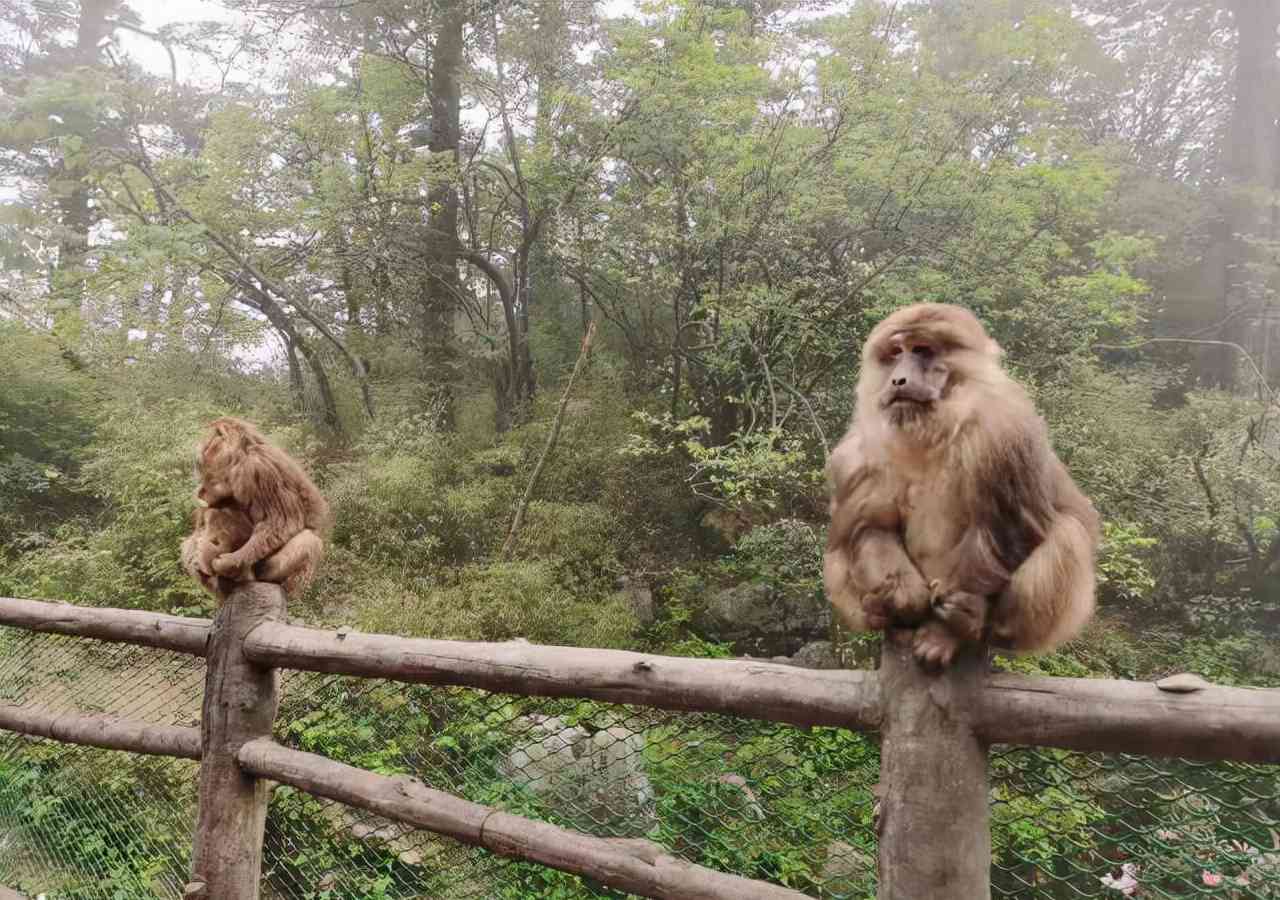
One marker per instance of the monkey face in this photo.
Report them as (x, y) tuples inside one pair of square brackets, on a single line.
[(217, 456), (917, 370), (213, 492), (915, 359)]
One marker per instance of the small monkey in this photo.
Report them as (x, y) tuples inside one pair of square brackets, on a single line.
[(215, 530), (949, 509)]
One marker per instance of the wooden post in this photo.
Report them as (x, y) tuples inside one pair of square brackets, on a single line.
[(240, 701), (934, 825)]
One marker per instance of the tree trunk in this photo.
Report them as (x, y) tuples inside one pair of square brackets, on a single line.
[(442, 286), (1252, 164), (295, 370), (72, 197), (280, 321)]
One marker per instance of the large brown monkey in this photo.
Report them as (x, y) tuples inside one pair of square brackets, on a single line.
[(239, 468), (949, 508), (223, 529)]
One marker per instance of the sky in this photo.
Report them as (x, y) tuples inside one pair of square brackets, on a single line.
[(156, 14)]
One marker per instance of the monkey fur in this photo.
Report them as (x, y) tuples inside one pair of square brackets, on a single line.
[(246, 480), (950, 511), (223, 529)]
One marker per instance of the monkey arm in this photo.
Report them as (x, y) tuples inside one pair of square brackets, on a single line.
[(294, 564), (191, 563), (1051, 595), (261, 488), (267, 538), (869, 578), (893, 590)]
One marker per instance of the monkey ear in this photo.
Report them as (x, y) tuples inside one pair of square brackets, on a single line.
[(994, 349)]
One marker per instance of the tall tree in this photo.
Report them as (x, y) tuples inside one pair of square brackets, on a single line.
[(442, 289), (1247, 241)]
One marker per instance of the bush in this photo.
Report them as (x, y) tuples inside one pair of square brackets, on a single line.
[(140, 474), (502, 601)]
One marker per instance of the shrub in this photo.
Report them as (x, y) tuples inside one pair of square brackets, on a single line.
[(502, 601)]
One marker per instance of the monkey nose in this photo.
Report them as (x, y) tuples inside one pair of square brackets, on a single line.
[(899, 382)]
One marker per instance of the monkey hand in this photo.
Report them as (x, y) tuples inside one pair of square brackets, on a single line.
[(228, 566), (934, 645), (965, 614), (902, 598), (1005, 618)]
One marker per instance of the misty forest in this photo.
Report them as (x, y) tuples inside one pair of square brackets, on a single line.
[(561, 302)]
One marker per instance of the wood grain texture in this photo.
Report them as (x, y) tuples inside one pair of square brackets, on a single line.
[(240, 702), (756, 690), (103, 730), (633, 865), (125, 626), (1212, 723), (934, 823)]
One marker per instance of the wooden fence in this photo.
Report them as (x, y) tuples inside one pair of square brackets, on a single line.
[(933, 823)]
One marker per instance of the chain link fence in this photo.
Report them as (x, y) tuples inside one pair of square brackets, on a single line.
[(794, 806)]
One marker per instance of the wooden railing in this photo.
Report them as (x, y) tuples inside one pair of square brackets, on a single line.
[(933, 827)]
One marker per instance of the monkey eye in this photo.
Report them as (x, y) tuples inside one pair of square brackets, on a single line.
[(895, 352), (922, 350)]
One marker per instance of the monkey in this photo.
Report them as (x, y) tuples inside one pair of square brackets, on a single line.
[(222, 529), (215, 530), (949, 509), (238, 467)]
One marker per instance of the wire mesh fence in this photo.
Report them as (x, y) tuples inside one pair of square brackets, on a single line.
[(789, 805)]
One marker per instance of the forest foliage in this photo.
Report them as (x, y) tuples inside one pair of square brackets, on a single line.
[(381, 231)]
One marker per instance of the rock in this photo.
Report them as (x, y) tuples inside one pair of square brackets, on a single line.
[(618, 785), (728, 525), (545, 759), (849, 870), (595, 781), (817, 655), (411, 846), (750, 804), (640, 598), (762, 621)]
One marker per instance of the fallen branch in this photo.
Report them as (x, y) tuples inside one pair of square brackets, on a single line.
[(509, 545)]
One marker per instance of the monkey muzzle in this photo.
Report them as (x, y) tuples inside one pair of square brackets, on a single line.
[(916, 393)]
